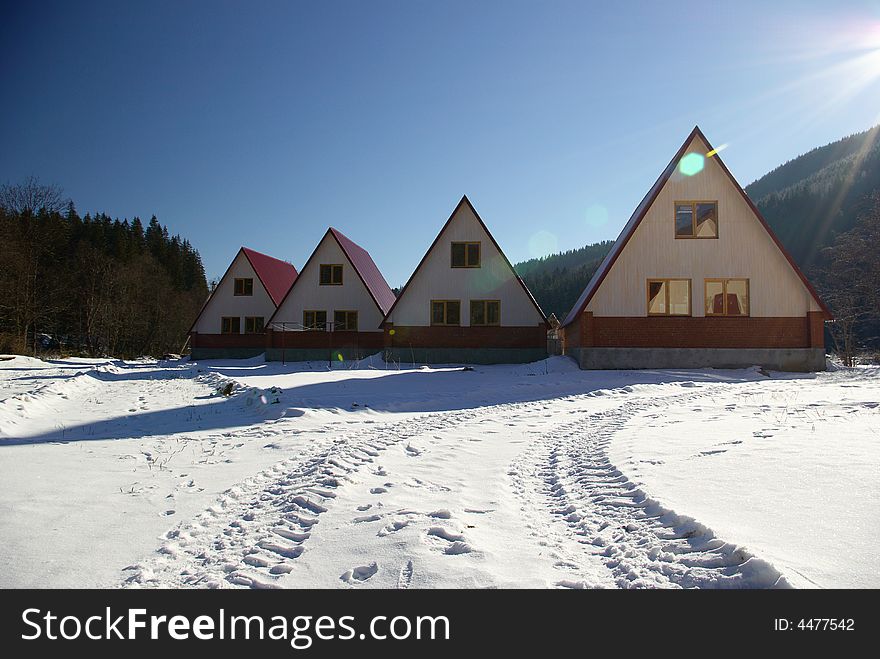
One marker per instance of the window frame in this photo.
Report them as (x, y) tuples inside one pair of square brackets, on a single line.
[(262, 320), (466, 244), (486, 322), (236, 323), (332, 267), (315, 326), (346, 312), (693, 204), (235, 292), (668, 313), (445, 313), (723, 281)]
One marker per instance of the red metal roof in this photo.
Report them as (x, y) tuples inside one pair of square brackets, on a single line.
[(366, 268), (642, 209), (276, 275)]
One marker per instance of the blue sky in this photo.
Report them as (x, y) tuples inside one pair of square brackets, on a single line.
[(262, 123)]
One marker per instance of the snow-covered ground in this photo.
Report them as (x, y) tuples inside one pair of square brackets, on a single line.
[(538, 475)]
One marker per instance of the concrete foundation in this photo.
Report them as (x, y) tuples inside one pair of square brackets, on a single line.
[(777, 359), (465, 355)]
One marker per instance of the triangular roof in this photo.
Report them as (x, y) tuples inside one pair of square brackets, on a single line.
[(363, 265), (642, 209), (275, 275), (465, 201)]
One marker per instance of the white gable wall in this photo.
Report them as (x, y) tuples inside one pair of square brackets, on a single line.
[(224, 303), (437, 280), (743, 249), (308, 294)]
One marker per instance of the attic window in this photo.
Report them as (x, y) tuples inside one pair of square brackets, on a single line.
[(331, 274), (669, 297), (696, 219), (466, 255), (244, 286)]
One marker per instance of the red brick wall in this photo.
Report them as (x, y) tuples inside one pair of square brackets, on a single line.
[(367, 340), (816, 319), (466, 337), (707, 332), (198, 340)]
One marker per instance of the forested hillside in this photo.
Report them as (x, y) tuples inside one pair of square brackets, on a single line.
[(91, 284), (812, 199), (557, 280)]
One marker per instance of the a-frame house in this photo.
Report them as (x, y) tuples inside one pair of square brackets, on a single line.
[(464, 303), (697, 279), (232, 320), (335, 308)]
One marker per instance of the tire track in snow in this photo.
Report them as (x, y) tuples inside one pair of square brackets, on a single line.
[(641, 542), (255, 532)]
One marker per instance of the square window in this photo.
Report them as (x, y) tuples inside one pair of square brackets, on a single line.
[(230, 325), (315, 320), (696, 219), (485, 312), (345, 321), (445, 312), (253, 324), (331, 274), (244, 286), (466, 255), (669, 297), (727, 297)]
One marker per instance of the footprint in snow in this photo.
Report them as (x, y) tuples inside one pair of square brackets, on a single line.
[(378, 490), (393, 527), (456, 541), (360, 573)]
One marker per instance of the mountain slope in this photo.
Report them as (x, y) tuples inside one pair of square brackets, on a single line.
[(819, 195)]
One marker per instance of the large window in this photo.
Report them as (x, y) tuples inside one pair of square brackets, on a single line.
[(696, 219), (315, 320), (331, 274), (253, 324), (244, 286), (669, 297), (230, 325), (727, 297), (446, 312), (465, 255), (345, 321), (485, 312)]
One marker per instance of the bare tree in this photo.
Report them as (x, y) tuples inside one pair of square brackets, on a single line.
[(32, 196)]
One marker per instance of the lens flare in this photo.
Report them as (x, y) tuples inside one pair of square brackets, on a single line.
[(691, 164), (716, 150)]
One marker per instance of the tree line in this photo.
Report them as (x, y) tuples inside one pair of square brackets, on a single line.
[(848, 278), (91, 284)]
